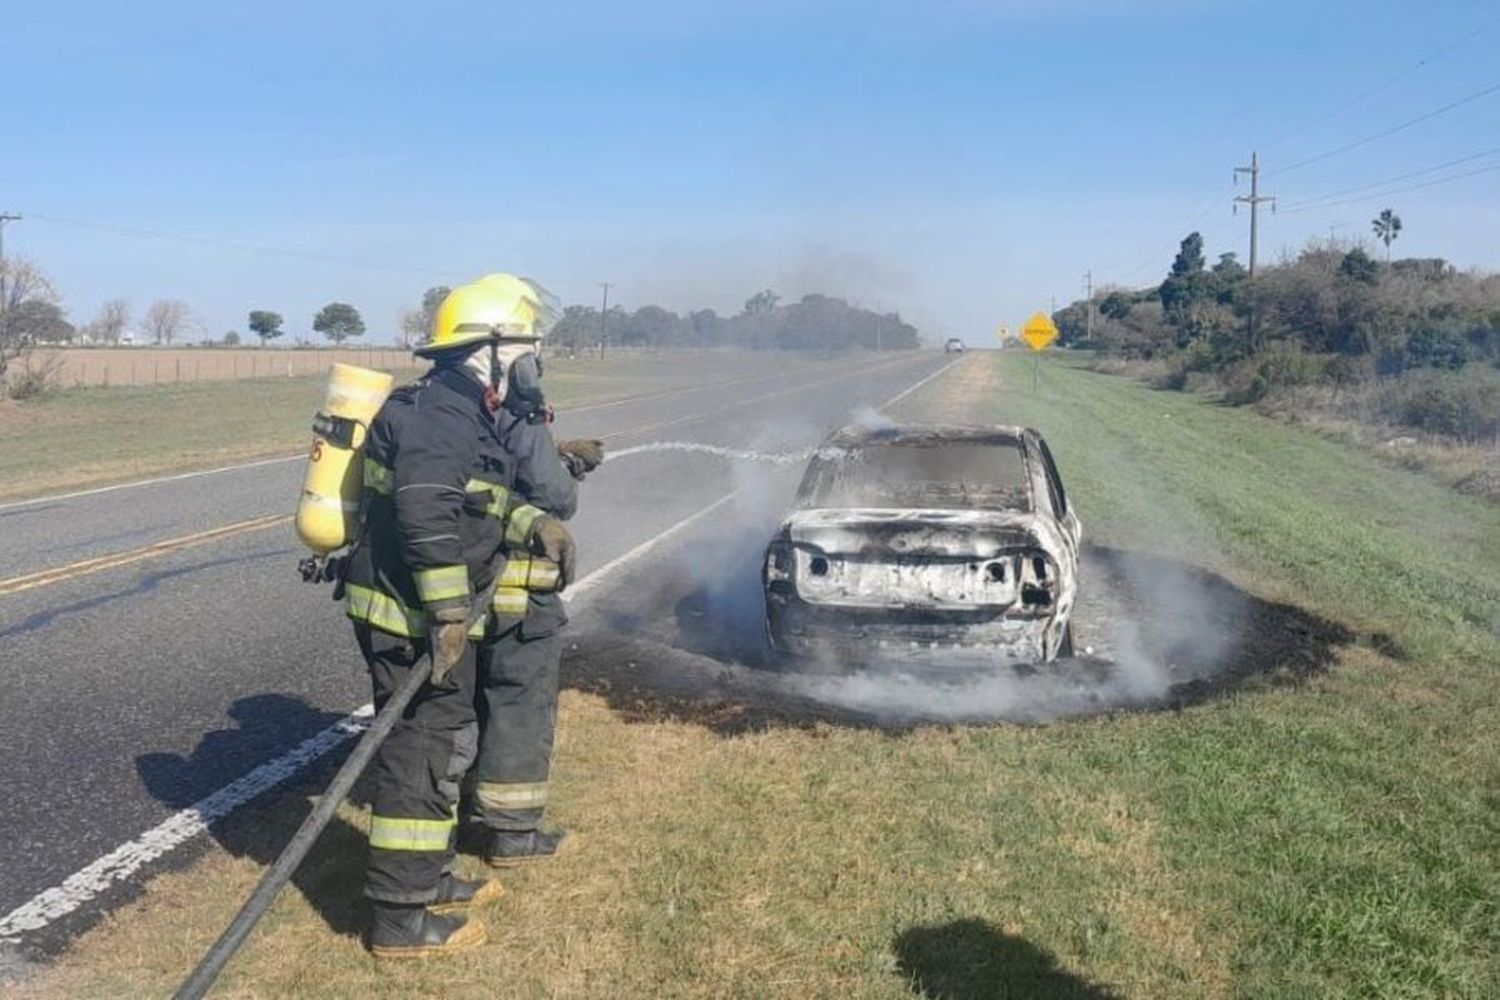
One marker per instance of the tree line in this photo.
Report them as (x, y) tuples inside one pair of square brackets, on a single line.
[(1332, 314), (31, 312)]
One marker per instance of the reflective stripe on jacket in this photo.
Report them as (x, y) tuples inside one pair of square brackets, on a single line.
[(437, 506)]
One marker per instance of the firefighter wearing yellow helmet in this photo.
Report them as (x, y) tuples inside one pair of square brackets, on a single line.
[(518, 658), (442, 518)]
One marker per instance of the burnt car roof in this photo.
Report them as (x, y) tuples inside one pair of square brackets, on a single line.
[(825, 486), (857, 436)]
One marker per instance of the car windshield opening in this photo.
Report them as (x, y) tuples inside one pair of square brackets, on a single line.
[(922, 476)]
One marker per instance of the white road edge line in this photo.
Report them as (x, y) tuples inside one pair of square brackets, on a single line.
[(898, 397), (116, 866), (150, 482)]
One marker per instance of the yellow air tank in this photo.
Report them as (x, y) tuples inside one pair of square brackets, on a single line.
[(330, 492)]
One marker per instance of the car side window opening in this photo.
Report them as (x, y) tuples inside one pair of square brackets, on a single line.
[(1054, 481)]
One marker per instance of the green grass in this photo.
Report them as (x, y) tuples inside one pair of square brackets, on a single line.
[(1340, 837)]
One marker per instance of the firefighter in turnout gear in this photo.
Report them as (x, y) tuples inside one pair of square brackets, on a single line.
[(438, 517), (519, 657)]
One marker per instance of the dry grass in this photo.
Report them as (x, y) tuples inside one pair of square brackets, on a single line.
[(104, 367)]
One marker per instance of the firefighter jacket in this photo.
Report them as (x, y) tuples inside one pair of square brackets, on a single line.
[(438, 512), (528, 586)]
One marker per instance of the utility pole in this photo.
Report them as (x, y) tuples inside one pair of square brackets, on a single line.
[(603, 314), (1253, 200), (1088, 305), (4, 218)]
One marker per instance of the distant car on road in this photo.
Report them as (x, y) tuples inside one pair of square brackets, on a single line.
[(924, 546), (953, 346)]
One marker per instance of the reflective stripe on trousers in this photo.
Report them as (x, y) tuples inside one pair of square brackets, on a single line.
[(511, 795), (393, 833)]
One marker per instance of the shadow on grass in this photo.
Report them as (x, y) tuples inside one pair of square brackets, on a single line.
[(972, 960), (685, 642), (331, 875)]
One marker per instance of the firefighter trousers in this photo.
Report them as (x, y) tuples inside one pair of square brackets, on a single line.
[(417, 771), (517, 713)]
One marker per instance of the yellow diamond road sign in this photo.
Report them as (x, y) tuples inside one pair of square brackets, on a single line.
[(1039, 331)]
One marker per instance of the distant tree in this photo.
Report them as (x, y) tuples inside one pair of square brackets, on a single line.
[(1189, 259), (1229, 275), (42, 321), (1360, 266), (1187, 290), (110, 323), (1115, 306), (761, 302), (413, 327), (21, 284), (1386, 226), (651, 325), (416, 324), (705, 326), (232, 338), (431, 299), (266, 325), (167, 319), (338, 321)]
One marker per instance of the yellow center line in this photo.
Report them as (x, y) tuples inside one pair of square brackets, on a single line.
[(41, 578)]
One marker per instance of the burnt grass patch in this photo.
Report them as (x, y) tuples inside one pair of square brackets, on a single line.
[(1151, 634)]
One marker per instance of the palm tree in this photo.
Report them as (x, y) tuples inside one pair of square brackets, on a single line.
[(1387, 226)]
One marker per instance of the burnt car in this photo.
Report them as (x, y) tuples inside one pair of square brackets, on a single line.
[(940, 547)]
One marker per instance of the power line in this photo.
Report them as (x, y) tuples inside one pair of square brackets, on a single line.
[(1365, 141), (156, 234), (1400, 190), (1311, 202), (1391, 81)]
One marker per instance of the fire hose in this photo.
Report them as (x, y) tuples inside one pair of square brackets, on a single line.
[(286, 864), (277, 876)]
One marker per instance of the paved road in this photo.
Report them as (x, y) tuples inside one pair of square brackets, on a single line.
[(139, 689)]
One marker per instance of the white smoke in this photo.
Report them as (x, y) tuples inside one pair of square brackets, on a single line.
[(1142, 625)]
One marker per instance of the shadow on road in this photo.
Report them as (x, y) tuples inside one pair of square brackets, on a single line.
[(144, 585), (973, 960), (267, 724)]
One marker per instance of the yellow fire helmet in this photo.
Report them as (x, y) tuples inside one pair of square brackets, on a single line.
[(499, 306)]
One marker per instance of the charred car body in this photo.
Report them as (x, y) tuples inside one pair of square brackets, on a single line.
[(925, 546)]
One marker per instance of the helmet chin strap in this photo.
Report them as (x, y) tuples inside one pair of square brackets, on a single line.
[(492, 397)]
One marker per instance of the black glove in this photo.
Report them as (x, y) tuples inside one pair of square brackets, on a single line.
[(581, 456), (551, 539)]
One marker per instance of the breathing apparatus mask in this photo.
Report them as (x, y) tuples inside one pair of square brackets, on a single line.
[(523, 395), (512, 376)]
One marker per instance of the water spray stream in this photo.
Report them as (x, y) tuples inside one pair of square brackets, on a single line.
[(772, 458)]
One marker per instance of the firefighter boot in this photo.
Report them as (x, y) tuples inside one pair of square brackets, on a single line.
[(508, 848), (458, 894), (399, 931)]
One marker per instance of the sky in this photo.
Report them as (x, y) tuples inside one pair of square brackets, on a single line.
[(962, 163)]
